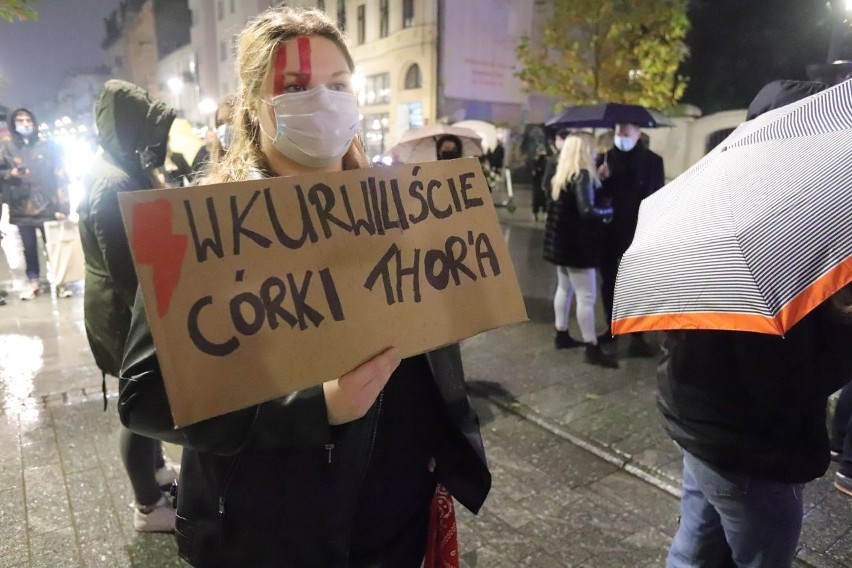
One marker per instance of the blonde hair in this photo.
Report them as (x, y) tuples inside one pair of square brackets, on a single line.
[(575, 156), (257, 44)]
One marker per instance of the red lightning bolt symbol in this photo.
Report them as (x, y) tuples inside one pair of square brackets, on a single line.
[(154, 243)]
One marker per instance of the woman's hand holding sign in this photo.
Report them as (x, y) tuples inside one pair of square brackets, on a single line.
[(351, 396)]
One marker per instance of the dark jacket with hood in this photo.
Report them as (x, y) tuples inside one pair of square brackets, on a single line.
[(755, 404), (132, 128), (41, 193), (752, 403)]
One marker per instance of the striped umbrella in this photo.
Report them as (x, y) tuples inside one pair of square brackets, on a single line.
[(752, 237)]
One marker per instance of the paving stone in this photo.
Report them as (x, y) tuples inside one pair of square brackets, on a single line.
[(56, 549), (14, 549), (46, 499), (12, 511)]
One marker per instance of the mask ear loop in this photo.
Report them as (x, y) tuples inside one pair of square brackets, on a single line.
[(259, 122)]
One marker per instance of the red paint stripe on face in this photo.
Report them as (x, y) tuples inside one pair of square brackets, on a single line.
[(280, 69), (304, 59)]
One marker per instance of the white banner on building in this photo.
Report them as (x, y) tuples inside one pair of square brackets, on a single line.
[(479, 39)]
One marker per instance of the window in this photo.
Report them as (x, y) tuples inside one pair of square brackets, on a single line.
[(223, 50), (341, 15), (407, 13), (412, 77), (376, 89), (233, 8), (321, 5), (362, 23), (220, 9), (383, 14), (375, 129)]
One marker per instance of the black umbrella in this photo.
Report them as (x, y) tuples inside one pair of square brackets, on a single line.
[(604, 115)]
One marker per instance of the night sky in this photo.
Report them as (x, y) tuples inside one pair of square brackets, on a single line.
[(36, 55), (740, 45)]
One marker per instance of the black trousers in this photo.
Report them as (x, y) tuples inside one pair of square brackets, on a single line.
[(31, 251), (609, 269)]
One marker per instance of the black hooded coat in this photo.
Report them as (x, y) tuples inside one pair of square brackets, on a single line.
[(751, 403), (39, 194), (132, 128)]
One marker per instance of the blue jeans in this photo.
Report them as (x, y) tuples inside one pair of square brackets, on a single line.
[(734, 520), (29, 239)]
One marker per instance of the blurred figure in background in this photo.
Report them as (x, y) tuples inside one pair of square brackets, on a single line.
[(553, 160), (34, 185), (630, 172), (572, 241), (216, 140), (133, 130)]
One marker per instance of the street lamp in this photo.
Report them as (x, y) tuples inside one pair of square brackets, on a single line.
[(841, 9)]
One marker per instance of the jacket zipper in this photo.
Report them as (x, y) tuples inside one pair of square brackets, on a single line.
[(373, 432), (228, 475)]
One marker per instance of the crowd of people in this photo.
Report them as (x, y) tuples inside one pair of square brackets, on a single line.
[(350, 472)]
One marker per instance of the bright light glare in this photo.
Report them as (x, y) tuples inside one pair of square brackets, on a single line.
[(78, 155), (207, 106), (175, 84)]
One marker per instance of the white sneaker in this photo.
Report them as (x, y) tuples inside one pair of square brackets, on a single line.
[(159, 518), (167, 475), (30, 291)]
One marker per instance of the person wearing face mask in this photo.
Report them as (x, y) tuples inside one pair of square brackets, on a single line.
[(34, 186), (216, 140), (341, 474), (448, 147), (630, 172), (133, 130)]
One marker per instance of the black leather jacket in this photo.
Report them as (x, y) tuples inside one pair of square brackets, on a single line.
[(574, 231), (248, 476)]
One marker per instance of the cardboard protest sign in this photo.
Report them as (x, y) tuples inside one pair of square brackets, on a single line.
[(257, 289)]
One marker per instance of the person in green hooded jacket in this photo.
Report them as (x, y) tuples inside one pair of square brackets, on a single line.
[(133, 130)]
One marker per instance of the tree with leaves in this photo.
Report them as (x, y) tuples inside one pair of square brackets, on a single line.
[(623, 51), (11, 10)]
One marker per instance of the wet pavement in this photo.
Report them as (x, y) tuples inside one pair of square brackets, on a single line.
[(583, 473)]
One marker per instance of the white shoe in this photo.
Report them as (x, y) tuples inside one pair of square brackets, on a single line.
[(167, 475), (159, 517), (31, 291)]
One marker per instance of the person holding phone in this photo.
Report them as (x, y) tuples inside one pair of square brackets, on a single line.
[(34, 186)]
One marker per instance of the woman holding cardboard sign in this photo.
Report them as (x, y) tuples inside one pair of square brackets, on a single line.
[(343, 474)]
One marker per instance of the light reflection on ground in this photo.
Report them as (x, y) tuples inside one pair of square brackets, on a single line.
[(21, 358)]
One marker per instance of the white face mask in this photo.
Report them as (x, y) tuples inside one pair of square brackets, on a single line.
[(24, 130), (315, 128), (624, 143)]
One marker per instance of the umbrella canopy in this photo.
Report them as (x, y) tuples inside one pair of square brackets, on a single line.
[(418, 144), (485, 130), (752, 237), (605, 115)]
